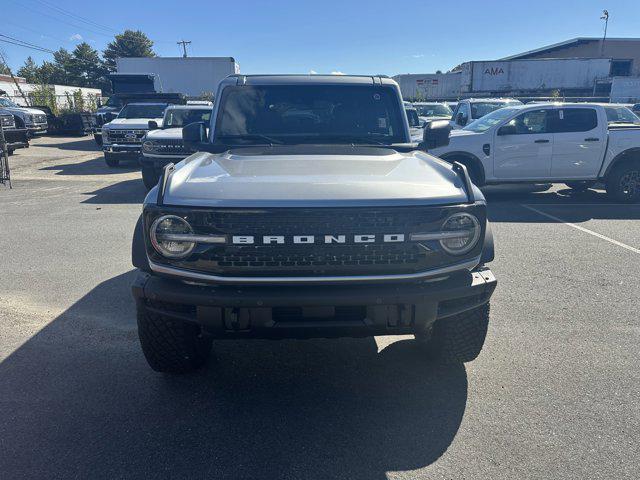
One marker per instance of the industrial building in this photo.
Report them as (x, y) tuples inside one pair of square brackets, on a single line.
[(580, 68), (62, 93)]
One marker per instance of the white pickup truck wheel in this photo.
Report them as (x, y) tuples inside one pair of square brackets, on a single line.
[(623, 183)]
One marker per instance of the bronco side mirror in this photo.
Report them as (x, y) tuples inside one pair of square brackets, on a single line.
[(435, 134), (153, 125), (194, 134)]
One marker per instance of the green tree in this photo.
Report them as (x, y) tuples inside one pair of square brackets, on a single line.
[(128, 44), (30, 71), (4, 70), (85, 67)]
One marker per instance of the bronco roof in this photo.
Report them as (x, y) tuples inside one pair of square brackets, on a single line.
[(311, 79)]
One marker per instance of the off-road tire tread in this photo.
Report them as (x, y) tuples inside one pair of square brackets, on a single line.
[(172, 346), (613, 182), (458, 338), (111, 160), (150, 176)]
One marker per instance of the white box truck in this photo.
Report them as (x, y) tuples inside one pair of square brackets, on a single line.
[(191, 76)]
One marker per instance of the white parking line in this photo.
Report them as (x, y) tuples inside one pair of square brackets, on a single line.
[(582, 229)]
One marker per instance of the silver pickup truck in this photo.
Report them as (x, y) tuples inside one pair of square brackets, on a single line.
[(307, 212)]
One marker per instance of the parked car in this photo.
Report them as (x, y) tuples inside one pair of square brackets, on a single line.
[(471, 109), (122, 136), (415, 125), (14, 137), (307, 213), (571, 143), (34, 120), (430, 111), (636, 108), (163, 144), (620, 114)]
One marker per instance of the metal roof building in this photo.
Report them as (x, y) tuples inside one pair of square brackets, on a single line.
[(624, 52)]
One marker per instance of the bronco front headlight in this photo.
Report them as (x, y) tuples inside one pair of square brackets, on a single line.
[(169, 236), (460, 232)]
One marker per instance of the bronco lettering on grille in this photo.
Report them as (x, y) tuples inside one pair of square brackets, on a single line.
[(313, 239)]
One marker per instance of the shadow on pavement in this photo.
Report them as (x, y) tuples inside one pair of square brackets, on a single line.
[(94, 166), (85, 143), (127, 191), (78, 401), (506, 202)]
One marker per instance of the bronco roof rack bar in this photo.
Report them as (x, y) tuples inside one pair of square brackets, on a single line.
[(462, 171), (166, 173)]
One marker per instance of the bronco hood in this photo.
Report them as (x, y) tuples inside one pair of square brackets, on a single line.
[(133, 123), (306, 176)]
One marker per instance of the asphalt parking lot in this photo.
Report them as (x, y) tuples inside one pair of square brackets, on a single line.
[(554, 394)]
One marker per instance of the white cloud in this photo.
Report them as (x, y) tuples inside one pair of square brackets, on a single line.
[(312, 72), (336, 72), (76, 37), (418, 55)]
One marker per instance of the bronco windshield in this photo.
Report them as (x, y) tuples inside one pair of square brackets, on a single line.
[(434, 110), (142, 111), (179, 117), (480, 109), (318, 114)]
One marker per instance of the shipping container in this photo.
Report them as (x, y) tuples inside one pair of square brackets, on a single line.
[(429, 86), (537, 75), (625, 89), (192, 76)]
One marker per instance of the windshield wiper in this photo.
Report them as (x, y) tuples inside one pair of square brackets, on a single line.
[(356, 139), (253, 136)]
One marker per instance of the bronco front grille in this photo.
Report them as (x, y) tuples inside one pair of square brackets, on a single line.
[(125, 136), (317, 259), (39, 118)]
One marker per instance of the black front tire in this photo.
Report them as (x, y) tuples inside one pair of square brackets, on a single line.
[(623, 183), (458, 338), (150, 176), (9, 152), (111, 160), (172, 346)]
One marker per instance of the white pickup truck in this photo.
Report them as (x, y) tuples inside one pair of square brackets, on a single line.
[(571, 143)]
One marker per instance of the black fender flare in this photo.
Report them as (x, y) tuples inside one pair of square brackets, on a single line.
[(627, 155), (488, 250), (469, 160), (138, 250)]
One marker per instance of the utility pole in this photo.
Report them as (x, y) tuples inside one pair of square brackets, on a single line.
[(5, 174), (605, 17), (24, 97), (184, 47)]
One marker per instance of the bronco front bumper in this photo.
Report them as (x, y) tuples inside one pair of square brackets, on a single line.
[(308, 311), (122, 148)]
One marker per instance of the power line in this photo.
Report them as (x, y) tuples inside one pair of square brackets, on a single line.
[(45, 50), (22, 5), (27, 44), (76, 16)]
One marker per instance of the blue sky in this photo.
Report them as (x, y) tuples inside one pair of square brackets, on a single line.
[(353, 37)]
